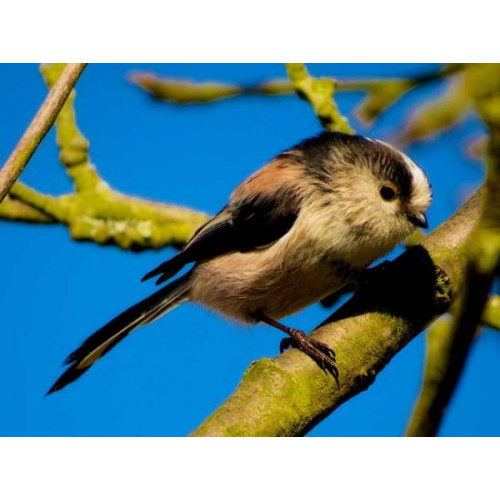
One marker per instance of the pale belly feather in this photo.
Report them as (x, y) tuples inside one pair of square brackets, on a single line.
[(316, 258), (239, 285)]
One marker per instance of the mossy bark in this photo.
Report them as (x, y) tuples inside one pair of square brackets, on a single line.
[(94, 211), (288, 395), (319, 93)]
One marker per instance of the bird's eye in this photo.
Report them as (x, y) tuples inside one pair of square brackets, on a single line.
[(388, 193)]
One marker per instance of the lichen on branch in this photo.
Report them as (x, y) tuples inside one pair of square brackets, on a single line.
[(94, 211), (15, 210), (73, 146), (447, 358), (288, 395), (379, 93), (319, 93), (179, 91), (454, 104), (428, 413)]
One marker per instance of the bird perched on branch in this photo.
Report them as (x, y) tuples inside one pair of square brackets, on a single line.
[(300, 228)]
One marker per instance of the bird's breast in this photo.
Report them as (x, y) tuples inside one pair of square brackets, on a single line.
[(277, 281)]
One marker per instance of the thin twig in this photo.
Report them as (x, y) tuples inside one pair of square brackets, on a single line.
[(38, 128)]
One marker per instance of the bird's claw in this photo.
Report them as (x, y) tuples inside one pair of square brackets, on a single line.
[(285, 344), (318, 351)]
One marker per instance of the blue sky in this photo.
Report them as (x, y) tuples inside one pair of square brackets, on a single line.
[(168, 377)]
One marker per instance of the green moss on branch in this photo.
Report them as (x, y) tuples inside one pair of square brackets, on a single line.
[(179, 91), (319, 93), (491, 314), (447, 355), (108, 217), (379, 93), (96, 212), (440, 357), (288, 395), (73, 146), (15, 210)]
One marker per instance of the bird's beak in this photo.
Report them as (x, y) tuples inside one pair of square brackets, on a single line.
[(419, 219)]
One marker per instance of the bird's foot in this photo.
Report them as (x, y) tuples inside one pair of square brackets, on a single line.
[(323, 355)]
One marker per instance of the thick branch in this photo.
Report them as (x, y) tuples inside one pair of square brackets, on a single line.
[(39, 127), (288, 395)]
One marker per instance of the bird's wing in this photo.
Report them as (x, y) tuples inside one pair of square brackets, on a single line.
[(261, 210)]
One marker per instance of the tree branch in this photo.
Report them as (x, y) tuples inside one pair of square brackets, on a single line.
[(491, 314), (39, 127), (177, 91), (73, 146), (288, 395), (380, 92), (95, 211), (319, 93), (438, 114), (450, 345), (440, 359), (426, 416), (15, 210)]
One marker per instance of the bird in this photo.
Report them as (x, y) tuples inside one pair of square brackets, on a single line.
[(304, 226)]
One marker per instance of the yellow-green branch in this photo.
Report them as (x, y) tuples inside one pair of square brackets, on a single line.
[(450, 344), (179, 91), (491, 314), (108, 217), (319, 93), (73, 146), (380, 93), (15, 210), (96, 212), (440, 357)]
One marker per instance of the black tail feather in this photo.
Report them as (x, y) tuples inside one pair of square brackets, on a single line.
[(167, 269), (70, 375), (107, 337)]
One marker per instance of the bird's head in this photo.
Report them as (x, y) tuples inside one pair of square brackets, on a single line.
[(379, 191)]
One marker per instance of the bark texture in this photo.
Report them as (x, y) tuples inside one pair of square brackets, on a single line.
[(288, 395)]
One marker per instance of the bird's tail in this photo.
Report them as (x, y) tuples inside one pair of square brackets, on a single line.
[(107, 337)]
